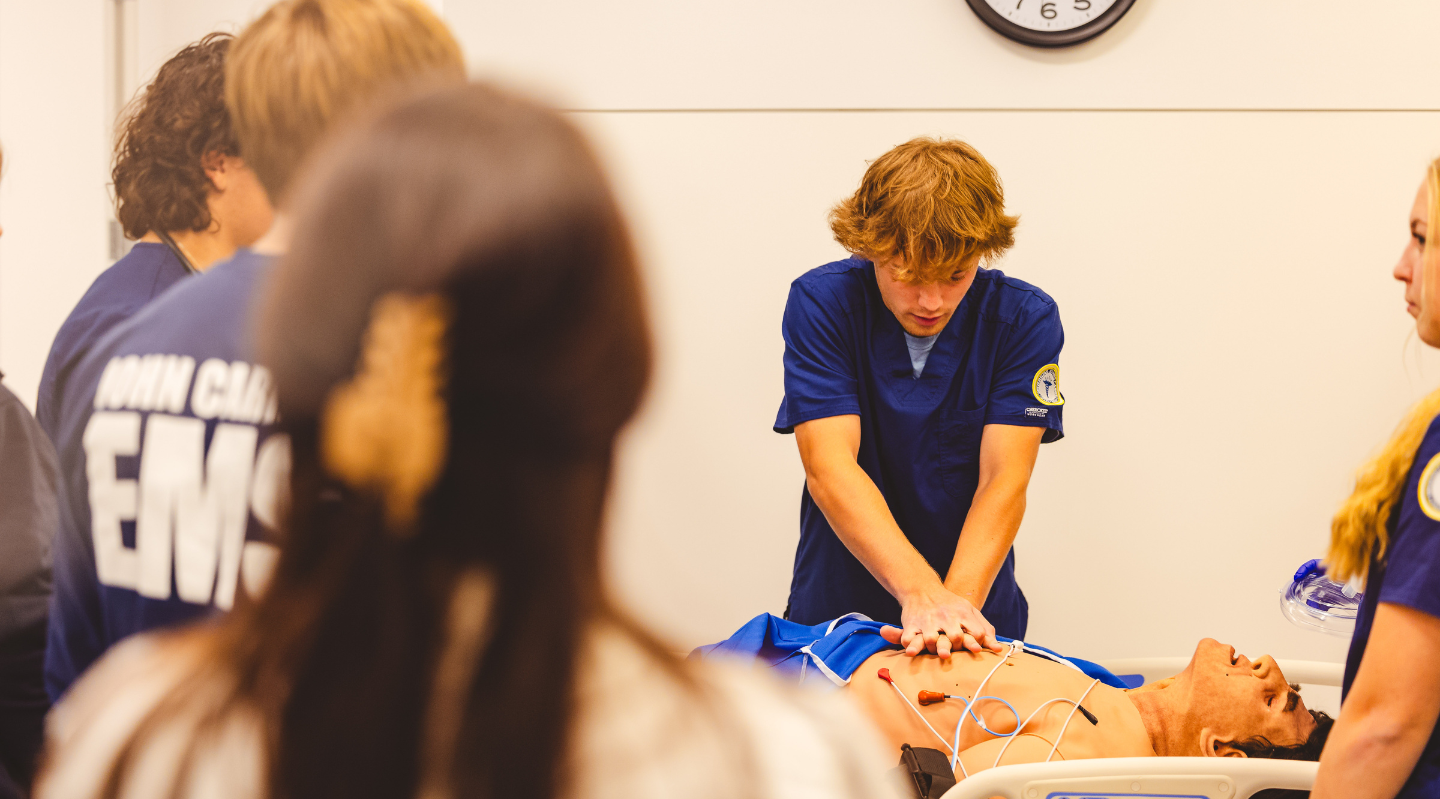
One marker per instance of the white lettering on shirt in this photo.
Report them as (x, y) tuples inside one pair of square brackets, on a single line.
[(112, 501), (202, 513), (191, 504)]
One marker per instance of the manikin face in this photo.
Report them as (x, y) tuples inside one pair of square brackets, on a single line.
[(923, 309), (1231, 698), (1411, 270)]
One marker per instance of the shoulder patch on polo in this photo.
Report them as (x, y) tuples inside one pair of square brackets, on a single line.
[(1430, 489), (1046, 385)]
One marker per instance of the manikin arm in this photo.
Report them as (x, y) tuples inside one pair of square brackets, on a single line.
[(857, 512)]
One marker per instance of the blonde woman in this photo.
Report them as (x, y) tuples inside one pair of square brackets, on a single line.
[(1384, 743)]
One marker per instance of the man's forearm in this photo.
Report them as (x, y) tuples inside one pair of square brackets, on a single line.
[(859, 515), (989, 531)]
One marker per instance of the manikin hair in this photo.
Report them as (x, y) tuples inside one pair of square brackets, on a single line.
[(1309, 749), (1360, 531)]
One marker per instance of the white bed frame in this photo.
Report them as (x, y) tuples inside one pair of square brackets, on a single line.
[(1153, 777)]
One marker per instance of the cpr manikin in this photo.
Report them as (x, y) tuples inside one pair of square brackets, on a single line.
[(1031, 709)]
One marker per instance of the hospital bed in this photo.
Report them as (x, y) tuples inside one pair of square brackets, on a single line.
[(1153, 777)]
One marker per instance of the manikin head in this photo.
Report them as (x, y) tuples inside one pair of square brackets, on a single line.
[(1225, 705), (927, 213)]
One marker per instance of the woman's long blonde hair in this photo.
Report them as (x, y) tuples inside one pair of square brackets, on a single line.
[(1360, 529)]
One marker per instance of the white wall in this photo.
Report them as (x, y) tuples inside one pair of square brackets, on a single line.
[(1214, 192), (53, 202)]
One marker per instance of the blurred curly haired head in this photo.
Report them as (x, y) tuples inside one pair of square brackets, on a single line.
[(165, 138)]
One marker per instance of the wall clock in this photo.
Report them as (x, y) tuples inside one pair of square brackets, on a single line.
[(1050, 23)]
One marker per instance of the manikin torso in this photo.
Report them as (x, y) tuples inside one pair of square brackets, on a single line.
[(1025, 681)]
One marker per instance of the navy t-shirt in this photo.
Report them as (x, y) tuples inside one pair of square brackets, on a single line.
[(1408, 575), (169, 472), (126, 287), (996, 362)]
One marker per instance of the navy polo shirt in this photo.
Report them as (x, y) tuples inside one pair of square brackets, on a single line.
[(996, 362), (1408, 575), (169, 469), (126, 287)]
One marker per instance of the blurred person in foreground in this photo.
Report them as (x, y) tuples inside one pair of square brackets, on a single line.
[(457, 337), (27, 523), (169, 472), (181, 190)]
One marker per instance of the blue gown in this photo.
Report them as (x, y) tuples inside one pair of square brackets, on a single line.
[(996, 362)]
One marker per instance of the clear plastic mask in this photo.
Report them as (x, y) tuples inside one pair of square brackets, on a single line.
[(1315, 602)]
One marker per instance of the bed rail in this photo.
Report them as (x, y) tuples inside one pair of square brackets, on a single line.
[(1138, 777)]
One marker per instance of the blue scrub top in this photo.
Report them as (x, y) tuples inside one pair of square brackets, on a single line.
[(167, 469), (996, 362), (1409, 575), (116, 295)]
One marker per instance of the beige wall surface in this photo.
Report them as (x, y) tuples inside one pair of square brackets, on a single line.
[(1214, 192), (661, 54), (1235, 346), (53, 202)]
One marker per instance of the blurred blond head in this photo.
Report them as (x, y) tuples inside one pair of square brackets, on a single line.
[(305, 64)]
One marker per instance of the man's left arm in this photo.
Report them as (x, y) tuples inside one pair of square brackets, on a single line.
[(1007, 457), (1024, 409)]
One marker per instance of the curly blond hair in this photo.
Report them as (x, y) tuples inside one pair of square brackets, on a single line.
[(936, 202)]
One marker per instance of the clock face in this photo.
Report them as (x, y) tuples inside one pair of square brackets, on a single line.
[(1050, 23), (1050, 15)]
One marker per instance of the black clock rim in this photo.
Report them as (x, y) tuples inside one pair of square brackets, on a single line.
[(1024, 35)]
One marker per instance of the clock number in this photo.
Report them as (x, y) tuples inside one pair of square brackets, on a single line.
[(1017, 5), (1047, 10), (1082, 5)]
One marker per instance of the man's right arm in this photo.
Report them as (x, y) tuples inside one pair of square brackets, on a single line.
[(859, 515)]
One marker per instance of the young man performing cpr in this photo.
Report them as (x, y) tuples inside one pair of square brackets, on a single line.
[(919, 386)]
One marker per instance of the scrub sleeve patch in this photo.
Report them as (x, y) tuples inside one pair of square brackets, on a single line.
[(1429, 489), (1046, 385), (1026, 387)]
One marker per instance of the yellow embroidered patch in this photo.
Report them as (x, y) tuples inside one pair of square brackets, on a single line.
[(1046, 385), (1430, 489)]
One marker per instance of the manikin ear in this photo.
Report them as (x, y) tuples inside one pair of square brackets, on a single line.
[(1212, 745)]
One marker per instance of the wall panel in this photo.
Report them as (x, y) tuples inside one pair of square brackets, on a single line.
[(937, 54)]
